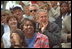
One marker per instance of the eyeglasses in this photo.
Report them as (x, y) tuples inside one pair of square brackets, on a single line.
[(33, 10)]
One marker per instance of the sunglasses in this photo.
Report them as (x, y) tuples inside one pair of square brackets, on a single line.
[(33, 10)]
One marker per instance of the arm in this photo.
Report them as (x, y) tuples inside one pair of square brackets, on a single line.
[(53, 34), (46, 43)]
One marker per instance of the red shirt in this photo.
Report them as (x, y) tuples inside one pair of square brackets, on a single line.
[(41, 41)]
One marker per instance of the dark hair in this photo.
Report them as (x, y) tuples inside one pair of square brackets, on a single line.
[(65, 3), (22, 37), (15, 8), (9, 17), (24, 21)]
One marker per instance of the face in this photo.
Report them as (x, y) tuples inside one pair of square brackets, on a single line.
[(27, 11), (3, 18), (64, 8), (15, 39), (28, 28), (12, 22), (18, 13), (32, 10), (42, 17)]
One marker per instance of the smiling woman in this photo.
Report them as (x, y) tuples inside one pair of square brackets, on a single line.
[(12, 22), (33, 39), (16, 35)]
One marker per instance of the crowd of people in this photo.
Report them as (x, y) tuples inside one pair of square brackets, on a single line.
[(37, 24)]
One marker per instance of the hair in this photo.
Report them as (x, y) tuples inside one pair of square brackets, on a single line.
[(22, 37), (5, 12), (24, 21), (65, 3), (40, 10), (34, 5), (9, 17), (45, 5), (24, 8)]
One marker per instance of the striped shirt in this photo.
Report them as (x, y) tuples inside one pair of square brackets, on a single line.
[(41, 41)]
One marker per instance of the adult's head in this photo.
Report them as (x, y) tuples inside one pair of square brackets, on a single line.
[(44, 6), (18, 12), (64, 7), (28, 26), (33, 9), (42, 16), (17, 39), (12, 21), (4, 14), (26, 10)]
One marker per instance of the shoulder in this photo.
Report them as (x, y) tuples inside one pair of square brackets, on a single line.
[(40, 35), (18, 30), (53, 25)]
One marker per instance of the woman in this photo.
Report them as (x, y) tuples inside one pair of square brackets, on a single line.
[(16, 36), (17, 39), (33, 39)]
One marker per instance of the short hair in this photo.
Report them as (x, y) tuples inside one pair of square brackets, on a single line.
[(40, 10), (21, 35), (35, 5), (65, 3), (5, 12), (24, 21), (9, 17)]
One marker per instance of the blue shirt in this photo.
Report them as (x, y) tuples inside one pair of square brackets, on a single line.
[(30, 42)]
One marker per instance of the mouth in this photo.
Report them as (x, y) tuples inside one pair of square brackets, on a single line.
[(29, 30)]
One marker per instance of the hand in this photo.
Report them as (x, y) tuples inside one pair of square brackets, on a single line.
[(44, 25)]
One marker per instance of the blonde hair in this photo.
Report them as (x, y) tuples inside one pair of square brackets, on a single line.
[(40, 10), (34, 5)]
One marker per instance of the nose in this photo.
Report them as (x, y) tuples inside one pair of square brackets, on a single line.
[(17, 13), (29, 26), (44, 18)]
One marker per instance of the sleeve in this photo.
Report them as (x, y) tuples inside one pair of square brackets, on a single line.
[(54, 35), (45, 42), (55, 12)]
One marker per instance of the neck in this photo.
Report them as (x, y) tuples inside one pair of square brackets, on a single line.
[(20, 19), (13, 29), (29, 36)]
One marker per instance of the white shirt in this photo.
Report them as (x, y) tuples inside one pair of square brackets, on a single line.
[(6, 37), (29, 17), (6, 40)]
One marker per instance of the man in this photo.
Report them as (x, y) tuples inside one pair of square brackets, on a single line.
[(33, 9), (17, 11), (66, 25), (50, 29)]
